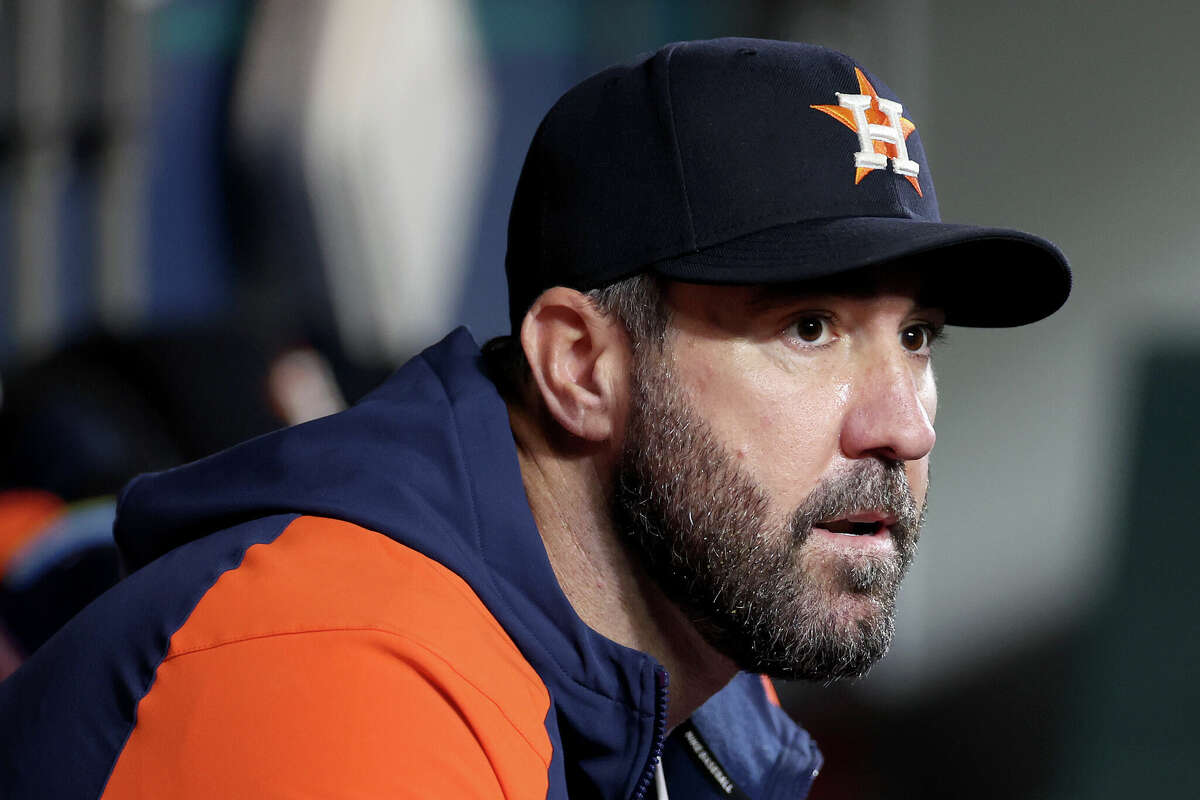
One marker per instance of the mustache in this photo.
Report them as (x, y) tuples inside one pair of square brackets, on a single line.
[(869, 485)]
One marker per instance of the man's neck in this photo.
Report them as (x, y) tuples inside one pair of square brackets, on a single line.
[(604, 582)]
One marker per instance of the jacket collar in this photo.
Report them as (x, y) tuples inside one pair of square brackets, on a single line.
[(609, 700)]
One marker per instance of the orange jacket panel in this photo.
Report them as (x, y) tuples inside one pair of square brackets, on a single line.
[(335, 662)]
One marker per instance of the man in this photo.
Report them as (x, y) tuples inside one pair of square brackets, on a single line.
[(726, 271)]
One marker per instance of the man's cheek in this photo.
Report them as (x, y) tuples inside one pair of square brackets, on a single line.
[(917, 473), (929, 396)]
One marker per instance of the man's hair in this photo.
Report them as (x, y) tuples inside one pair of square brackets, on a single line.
[(636, 302)]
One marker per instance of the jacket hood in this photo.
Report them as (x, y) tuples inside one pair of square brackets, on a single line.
[(394, 458)]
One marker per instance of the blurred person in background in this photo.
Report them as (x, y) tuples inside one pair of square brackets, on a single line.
[(558, 567), (76, 426)]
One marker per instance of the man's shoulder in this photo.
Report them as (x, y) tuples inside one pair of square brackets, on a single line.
[(329, 578)]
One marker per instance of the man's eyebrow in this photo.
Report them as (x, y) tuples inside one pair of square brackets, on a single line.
[(768, 296)]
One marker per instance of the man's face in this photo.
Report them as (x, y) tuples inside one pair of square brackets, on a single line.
[(776, 464)]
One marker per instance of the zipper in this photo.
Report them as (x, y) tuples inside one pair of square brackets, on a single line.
[(661, 681)]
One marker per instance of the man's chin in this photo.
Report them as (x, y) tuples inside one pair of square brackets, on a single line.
[(851, 613), (845, 655), (829, 633)]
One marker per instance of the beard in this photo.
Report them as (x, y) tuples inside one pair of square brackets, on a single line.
[(756, 586)]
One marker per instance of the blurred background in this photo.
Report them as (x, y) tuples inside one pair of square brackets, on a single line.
[(218, 217)]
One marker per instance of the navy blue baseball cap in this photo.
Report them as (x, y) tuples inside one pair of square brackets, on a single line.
[(745, 161)]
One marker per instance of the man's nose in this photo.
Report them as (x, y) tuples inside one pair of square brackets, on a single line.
[(886, 417)]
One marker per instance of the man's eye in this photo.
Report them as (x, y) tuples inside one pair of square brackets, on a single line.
[(813, 330), (916, 338)]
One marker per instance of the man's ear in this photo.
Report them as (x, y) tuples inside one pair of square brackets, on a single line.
[(579, 361)]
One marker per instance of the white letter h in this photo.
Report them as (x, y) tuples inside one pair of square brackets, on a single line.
[(891, 134)]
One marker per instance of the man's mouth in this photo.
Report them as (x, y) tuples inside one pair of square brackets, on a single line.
[(865, 523)]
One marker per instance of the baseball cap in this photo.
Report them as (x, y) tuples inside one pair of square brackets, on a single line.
[(747, 161)]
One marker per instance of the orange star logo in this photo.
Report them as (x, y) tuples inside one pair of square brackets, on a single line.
[(881, 132)]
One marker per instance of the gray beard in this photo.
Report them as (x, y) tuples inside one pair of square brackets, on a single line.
[(754, 591)]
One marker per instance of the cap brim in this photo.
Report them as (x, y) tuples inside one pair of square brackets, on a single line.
[(982, 277)]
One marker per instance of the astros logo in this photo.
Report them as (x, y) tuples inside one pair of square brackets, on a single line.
[(880, 128)]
